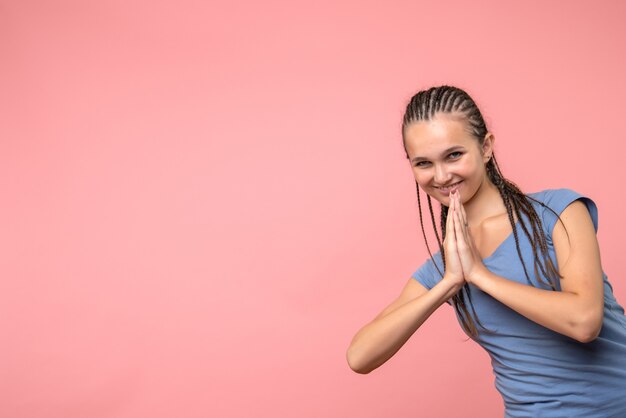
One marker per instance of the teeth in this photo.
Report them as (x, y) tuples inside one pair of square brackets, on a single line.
[(449, 187)]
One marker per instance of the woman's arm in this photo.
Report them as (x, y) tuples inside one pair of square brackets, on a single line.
[(577, 310), (380, 339)]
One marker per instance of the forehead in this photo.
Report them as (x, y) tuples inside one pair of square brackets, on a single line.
[(428, 138)]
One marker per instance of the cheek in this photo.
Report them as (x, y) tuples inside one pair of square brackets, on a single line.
[(421, 177), (469, 169), (466, 167), (424, 188)]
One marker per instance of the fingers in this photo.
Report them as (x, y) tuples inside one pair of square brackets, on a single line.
[(463, 220), (459, 228), (450, 221), (462, 210), (452, 230)]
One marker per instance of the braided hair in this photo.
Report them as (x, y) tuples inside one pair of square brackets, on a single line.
[(423, 106)]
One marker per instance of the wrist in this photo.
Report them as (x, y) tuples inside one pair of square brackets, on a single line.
[(453, 284), (479, 277)]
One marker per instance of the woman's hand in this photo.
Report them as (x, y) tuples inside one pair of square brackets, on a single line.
[(454, 268), (470, 259)]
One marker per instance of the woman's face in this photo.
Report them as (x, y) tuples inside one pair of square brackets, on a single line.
[(445, 157)]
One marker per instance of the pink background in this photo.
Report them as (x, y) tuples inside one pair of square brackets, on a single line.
[(202, 202)]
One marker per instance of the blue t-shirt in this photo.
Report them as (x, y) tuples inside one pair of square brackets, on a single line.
[(539, 372)]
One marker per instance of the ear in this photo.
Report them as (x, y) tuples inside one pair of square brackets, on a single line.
[(487, 147)]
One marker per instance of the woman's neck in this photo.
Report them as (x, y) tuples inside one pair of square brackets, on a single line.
[(486, 203)]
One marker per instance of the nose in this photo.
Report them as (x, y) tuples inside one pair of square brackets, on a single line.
[(442, 176)]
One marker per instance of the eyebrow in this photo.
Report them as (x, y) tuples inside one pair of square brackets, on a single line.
[(445, 152)]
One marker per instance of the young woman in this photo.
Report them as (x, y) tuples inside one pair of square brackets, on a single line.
[(522, 271)]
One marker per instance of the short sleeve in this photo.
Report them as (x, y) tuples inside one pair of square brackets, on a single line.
[(427, 274), (558, 200)]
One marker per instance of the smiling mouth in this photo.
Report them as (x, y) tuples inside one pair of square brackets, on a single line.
[(449, 188)]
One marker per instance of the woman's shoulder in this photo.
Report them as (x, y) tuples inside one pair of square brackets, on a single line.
[(552, 202), (553, 193), (556, 199), (430, 272)]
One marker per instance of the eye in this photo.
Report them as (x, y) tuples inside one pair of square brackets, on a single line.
[(452, 156)]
